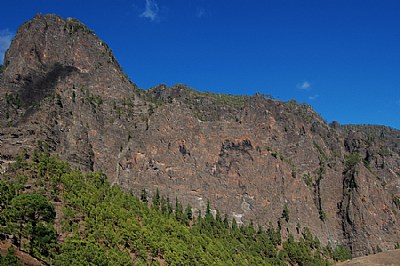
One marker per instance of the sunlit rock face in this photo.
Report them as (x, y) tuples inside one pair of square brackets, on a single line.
[(250, 157)]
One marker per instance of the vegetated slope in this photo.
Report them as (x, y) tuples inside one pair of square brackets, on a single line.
[(254, 158), (11, 256), (67, 217)]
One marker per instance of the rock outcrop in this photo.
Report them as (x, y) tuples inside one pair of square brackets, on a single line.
[(251, 157)]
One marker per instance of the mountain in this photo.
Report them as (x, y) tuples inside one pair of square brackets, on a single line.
[(253, 158)]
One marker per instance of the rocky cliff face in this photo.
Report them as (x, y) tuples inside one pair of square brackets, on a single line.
[(251, 157)]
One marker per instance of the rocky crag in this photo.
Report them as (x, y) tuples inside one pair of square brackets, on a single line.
[(254, 158)]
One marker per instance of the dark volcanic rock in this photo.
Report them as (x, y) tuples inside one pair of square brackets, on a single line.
[(250, 156)]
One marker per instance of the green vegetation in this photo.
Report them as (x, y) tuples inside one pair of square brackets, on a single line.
[(226, 99), (73, 25), (14, 100), (215, 98), (322, 215), (103, 225), (323, 155), (31, 216), (341, 253), (303, 110), (396, 201), (205, 106), (285, 213), (9, 259), (308, 179), (95, 101), (351, 160), (378, 249), (385, 152)]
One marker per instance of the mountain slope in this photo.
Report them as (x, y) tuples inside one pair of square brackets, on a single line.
[(98, 224), (254, 158), (391, 257)]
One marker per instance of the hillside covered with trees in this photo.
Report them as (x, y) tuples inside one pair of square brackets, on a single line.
[(68, 217)]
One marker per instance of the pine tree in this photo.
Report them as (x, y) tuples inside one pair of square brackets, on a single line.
[(156, 200), (189, 213), (234, 224), (209, 218), (179, 211), (226, 222), (143, 196), (164, 207), (169, 207), (285, 213), (25, 214)]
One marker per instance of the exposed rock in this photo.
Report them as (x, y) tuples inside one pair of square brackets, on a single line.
[(250, 156)]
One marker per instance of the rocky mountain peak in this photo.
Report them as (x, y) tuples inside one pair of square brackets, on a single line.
[(49, 40), (51, 56)]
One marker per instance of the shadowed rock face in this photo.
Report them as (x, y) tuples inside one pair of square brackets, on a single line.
[(250, 156)]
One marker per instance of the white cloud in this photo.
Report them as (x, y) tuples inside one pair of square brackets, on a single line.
[(151, 10), (313, 97), (200, 12), (5, 40), (305, 85)]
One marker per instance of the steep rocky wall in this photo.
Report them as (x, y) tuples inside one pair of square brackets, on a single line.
[(251, 157)]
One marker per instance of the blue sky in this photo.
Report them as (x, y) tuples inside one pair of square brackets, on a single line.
[(340, 56)]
